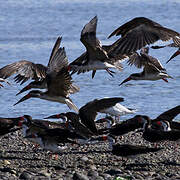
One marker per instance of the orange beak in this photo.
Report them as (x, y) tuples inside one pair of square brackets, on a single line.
[(174, 55), (164, 79), (23, 99), (126, 80), (56, 116), (24, 89)]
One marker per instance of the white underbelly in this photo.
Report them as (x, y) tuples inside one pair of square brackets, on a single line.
[(59, 99), (117, 110), (54, 147), (155, 76), (93, 65)]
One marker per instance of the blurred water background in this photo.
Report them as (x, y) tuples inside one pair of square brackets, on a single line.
[(28, 30)]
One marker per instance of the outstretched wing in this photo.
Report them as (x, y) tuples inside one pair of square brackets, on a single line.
[(54, 50), (25, 70), (89, 111), (58, 77), (91, 42), (138, 33), (169, 115), (144, 60)]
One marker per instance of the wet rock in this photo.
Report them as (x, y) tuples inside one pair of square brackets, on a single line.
[(25, 175), (79, 176), (113, 172), (106, 176)]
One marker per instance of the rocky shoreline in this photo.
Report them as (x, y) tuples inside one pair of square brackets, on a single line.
[(19, 159)]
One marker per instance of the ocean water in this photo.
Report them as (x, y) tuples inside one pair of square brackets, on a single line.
[(28, 30)]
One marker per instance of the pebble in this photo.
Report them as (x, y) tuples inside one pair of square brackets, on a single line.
[(85, 163), (25, 175), (79, 176)]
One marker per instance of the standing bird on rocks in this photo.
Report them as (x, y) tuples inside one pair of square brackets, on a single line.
[(50, 139), (96, 56), (176, 44), (138, 33), (59, 82), (127, 126), (155, 135), (167, 116), (26, 70), (87, 113), (153, 70), (8, 125)]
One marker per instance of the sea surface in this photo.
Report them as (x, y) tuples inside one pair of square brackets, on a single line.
[(29, 29)]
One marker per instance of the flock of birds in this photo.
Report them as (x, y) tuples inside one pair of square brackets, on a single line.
[(80, 127)]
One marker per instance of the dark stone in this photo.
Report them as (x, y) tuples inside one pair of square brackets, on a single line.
[(113, 172), (79, 176), (25, 175), (93, 173)]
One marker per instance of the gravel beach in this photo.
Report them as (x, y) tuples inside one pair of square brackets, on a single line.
[(19, 159)]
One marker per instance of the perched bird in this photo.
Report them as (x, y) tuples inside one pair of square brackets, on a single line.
[(127, 126), (50, 139), (176, 44), (26, 70), (165, 119), (96, 56), (138, 33), (127, 150), (59, 82), (8, 125), (74, 124), (153, 70), (156, 135), (87, 113)]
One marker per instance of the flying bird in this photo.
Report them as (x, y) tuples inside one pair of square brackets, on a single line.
[(88, 112), (26, 70), (152, 68), (59, 82), (176, 44), (96, 56), (138, 33)]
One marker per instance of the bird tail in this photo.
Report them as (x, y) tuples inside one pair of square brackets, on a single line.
[(71, 105)]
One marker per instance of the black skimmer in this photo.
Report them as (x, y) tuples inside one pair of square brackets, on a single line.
[(138, 33), (126, 126), (34, 126), (50, 139), (176, 44), (127, 150), (153, 70), (29, 70), (166, 118), (74, 124), (168, 115), (88, 112), (59, 82), (96, 56), (8, 125), (156, 135)]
